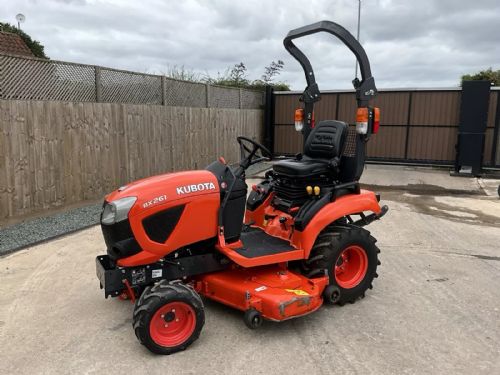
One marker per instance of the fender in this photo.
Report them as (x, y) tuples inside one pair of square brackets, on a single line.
[(346, 205)]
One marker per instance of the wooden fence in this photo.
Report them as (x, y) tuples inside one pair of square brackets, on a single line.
[(57, 153)]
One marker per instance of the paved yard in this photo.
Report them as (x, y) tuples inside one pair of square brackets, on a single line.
[(434, 309)]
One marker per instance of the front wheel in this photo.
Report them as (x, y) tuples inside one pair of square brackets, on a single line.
[(349, 257), (168, 317)]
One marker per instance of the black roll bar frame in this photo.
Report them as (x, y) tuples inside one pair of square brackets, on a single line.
[(365, 89)]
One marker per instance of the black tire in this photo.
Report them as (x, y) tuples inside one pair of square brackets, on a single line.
[(161, 296), (331, 294), (326, 254), (253, 319)]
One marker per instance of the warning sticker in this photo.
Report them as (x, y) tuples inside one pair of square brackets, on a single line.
[(156, 273), (138, 276), (298, 292), (260, 288)]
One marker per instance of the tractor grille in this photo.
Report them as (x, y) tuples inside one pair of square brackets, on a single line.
[(119, 239), (116, 232)]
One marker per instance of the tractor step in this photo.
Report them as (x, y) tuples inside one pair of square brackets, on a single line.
[(275, 292), (256, 248), (257, 243)]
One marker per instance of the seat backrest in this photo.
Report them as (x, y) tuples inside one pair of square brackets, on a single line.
[(353, 157), (326, 140)]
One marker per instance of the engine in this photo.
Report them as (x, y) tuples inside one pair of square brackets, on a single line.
[(292, 192)]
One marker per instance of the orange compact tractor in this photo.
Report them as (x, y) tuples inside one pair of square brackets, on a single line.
[(296, 242)]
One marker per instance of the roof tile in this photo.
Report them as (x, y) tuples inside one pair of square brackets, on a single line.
[(13, 44)]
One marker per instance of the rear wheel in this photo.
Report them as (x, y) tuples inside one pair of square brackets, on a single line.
[(168, 317), (349, 256)]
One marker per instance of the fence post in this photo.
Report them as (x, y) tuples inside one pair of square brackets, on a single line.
[(240, 96), (269, 119), (495, 149), (163, 90), (207, 91), (408, 124), (98, 93)]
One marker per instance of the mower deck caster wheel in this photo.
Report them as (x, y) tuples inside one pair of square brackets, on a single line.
[(331, 294), (253, 319)]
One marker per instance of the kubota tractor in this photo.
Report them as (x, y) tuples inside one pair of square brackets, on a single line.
[(293, 245)]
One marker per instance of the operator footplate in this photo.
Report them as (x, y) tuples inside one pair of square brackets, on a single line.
[(257, 243)]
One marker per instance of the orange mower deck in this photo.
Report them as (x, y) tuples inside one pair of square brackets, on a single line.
[(274, 291)]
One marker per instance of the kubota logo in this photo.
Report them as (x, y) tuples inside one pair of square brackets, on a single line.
[(194, 188)]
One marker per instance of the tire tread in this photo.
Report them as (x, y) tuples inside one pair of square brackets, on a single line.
[(325, 252), (149, 302)]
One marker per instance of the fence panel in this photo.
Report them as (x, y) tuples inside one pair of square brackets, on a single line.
[(185, 94), (31, 78), (111, 126), (252, 99), (224, 97), (491, 146), (125, 87), (58, 153), (38, 79)]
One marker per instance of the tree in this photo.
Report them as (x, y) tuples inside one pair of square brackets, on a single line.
[(35, 46), (182, 73), (237, 77), (272, 70), (488, 75)]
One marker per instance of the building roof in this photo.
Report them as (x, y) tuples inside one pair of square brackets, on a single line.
[(13, 44)]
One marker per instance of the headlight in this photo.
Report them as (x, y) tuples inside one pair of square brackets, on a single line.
[(117, 211)]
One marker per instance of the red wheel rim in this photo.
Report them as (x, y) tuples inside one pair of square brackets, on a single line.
[(351, 266), (172, 324)]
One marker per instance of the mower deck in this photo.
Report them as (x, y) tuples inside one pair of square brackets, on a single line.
[(274, 291)]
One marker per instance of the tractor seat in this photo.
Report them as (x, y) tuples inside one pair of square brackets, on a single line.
[(301, 168), (325, 142)]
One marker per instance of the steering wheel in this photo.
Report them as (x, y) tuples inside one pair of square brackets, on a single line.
[(249, 154)]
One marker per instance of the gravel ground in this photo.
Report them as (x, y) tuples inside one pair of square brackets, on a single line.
[(30, 232), (34, 231)]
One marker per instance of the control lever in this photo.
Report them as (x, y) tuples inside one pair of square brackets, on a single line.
[(334, 163)]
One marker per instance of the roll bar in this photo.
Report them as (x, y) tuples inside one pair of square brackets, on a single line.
[(365, 89)]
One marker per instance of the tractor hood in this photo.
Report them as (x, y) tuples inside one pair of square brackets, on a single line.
[(163, 189)]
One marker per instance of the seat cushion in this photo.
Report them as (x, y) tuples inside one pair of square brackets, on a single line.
[(301, 168), (325, 142)]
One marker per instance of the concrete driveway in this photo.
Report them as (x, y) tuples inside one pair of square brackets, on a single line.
[(434, 309)]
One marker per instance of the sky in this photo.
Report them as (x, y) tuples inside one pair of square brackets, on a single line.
[(424, 43)]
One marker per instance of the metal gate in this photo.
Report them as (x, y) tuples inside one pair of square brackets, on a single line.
[(417, 126)]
